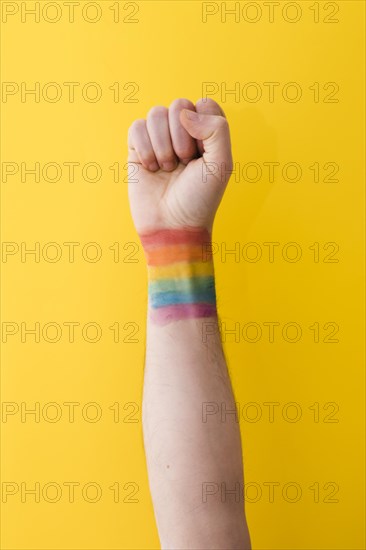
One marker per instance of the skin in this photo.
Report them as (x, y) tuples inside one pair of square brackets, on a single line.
[(184, 370)]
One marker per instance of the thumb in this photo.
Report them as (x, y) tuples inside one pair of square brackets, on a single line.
[(214, 132)]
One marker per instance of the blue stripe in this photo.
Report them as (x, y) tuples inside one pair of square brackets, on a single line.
[(161, 299)]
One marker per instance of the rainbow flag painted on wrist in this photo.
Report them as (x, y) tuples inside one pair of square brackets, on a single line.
[(181, 275)]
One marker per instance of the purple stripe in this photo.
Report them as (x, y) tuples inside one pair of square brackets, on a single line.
[(167, 314)]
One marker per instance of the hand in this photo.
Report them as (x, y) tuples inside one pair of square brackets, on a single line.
[(178, 166)]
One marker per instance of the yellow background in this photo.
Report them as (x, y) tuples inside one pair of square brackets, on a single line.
[(169, 52)]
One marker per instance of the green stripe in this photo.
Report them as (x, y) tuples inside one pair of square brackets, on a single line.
[(188, 284)]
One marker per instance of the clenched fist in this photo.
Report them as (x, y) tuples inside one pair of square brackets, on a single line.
[(179, 164)]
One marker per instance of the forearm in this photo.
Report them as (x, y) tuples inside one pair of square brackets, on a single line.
[(186, 369)]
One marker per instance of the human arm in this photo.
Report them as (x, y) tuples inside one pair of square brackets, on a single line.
[(173, 209)]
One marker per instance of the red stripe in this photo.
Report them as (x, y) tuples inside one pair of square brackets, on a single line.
[(163, 237)]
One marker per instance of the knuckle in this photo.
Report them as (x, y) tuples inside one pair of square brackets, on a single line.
[(136, 126), (211, 103), (206, 101), (157, 111), (181, 103)]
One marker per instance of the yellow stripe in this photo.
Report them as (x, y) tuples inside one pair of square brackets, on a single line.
[(181, 270)]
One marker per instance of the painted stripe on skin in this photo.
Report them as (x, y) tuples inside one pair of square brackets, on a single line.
[(179, 253), (181, 270), (181, 274), (161, 299), (165, 237), (165, 315), (191, 284)]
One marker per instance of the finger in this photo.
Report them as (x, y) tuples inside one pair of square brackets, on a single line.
[(207, 106), (140, 148), (214, 132), (184, 145), (158, 129)]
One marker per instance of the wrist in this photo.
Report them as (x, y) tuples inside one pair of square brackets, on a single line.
[(181, 281)]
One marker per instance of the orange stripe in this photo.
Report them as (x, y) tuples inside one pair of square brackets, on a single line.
[(170, 254)]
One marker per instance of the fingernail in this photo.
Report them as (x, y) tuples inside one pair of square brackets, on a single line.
[(153, 166), (192, 115), (168, 166)]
